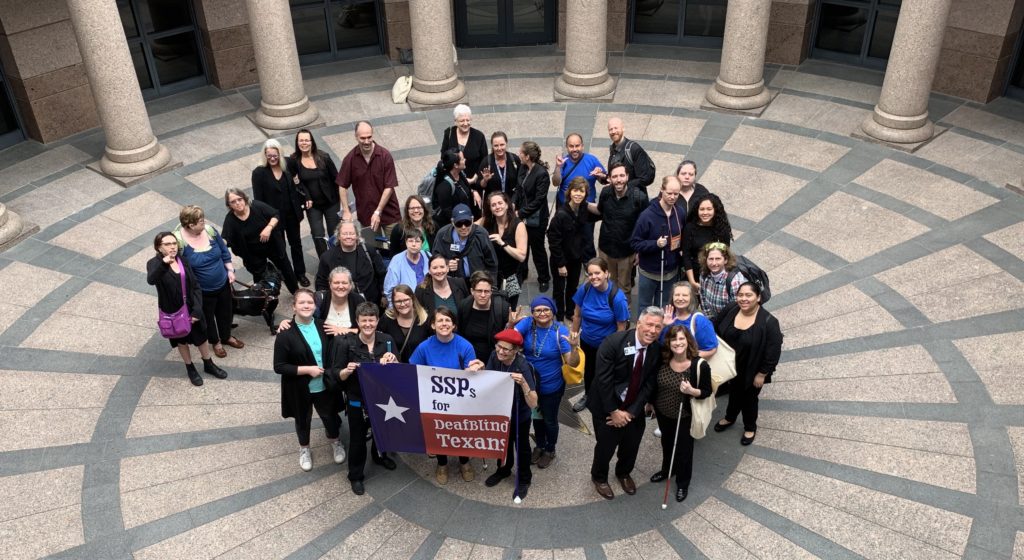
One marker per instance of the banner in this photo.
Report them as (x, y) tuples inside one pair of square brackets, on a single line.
[(423, 409)]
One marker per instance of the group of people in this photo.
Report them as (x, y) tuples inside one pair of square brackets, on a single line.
[(445, 290)]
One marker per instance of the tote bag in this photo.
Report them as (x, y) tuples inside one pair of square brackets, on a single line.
[(701, 411)]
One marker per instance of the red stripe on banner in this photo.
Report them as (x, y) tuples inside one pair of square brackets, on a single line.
[(469, 436)]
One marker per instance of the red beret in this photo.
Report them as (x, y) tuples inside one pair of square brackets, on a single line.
[(510, 336)]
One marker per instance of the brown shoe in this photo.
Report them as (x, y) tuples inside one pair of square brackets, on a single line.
[(628, 486), (468, 474), (535, 456), (604, 490), (219, 351), (442, 475), (545, 460), (235, 343)]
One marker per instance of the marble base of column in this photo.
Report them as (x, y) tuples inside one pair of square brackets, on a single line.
[(571, 86), (436, 94), (13, 229), (130, 167), (902, 133), (278, 120), (750, 99)]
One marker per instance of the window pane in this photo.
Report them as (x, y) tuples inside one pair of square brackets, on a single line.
[(896, 3), (482, 17), (527, 16), (310, 30), (881, 38), (7, 121), (164, 15), (176, 57), (139, 60), (355, 25), (124, 9), (704, 18), (657, 16), (842, 28), (1018, 74)]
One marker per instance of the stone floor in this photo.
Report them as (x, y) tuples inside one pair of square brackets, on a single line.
[(894, 429)]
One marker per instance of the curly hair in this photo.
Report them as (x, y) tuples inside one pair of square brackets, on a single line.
[(719, 222)]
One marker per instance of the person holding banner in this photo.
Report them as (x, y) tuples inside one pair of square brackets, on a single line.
[(507, 357), (346, 354), (447, 350), (406, 322), (484, 314), (624, 377), (299, 360), (548, 344)]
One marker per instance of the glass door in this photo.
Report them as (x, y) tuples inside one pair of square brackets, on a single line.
[(328, 30), (500, 23), (855, 31), (697, 23), (164, 45)]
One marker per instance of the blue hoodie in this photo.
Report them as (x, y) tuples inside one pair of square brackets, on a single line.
[(652, 224)]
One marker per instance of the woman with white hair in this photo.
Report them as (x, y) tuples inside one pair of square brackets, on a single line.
[(470, 141), (273, 185)]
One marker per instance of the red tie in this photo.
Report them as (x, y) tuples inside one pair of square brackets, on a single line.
[(634, 380)]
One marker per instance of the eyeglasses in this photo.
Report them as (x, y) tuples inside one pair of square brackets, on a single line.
[(235, 201), (402, 302), (463, 224), (415, 208), (169, 244), (542, 310), (505, 349)]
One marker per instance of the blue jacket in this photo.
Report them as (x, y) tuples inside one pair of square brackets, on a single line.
[(399, 272), (652, 224)]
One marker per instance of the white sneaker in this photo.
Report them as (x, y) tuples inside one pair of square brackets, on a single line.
[(657, 432), (305, 459), (339, 451)]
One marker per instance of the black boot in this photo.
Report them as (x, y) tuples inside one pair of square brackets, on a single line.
[(212, 369), (193, 375)]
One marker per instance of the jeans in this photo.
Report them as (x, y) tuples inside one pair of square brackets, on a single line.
[(648, 291), (317, 215), (546, 429)]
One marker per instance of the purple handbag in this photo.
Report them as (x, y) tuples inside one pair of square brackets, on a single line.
[(179, 323)]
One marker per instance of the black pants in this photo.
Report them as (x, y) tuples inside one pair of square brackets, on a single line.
[(589, 250), (256, 263), (358, 424), (291, 231), (217, 308), (323, 402), (535, 238), (442, 460), (564, 287), (626, 439), (683, 465), (590, 352), (743, 399), (518, 442)]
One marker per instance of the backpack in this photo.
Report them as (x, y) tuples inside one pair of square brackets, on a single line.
[(611, 295), (753, 273), (210, 231), (426, 187), (629, 157)]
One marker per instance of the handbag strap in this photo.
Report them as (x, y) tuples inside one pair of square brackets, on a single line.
[(181, 275)]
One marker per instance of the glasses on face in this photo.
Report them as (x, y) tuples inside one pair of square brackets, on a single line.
[(273, 156), (415, 209), (169, 244), (463, 224), (504, 349), (542, 310), (234, 201), (406, 301)]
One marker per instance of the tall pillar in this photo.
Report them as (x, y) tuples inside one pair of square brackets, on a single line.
[(434, 81), (283, 102), (132, 152), (13, 229), (740, 82), (585, 75), (901, 116)]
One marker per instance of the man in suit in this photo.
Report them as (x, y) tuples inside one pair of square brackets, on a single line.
[(624, 377)]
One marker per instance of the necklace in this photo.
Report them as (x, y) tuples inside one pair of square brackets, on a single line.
[(537, 348)]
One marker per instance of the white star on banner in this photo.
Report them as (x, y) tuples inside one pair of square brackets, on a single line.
[(392, 410)]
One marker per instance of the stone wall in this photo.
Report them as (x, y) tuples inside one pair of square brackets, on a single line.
[(227, 45), (978, 48)]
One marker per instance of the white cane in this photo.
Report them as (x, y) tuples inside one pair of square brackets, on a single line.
[(672, 460)]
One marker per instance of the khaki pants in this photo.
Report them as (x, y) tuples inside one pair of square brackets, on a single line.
[(621, 272)]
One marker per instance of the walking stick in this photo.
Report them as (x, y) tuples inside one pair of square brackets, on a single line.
[(661, 277), (672, 460), (515, 454)]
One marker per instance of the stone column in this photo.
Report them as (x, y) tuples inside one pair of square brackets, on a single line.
[(901, 116), (434, 81), (740, 82), (585, 75), (13, 229), (283, 104), (131, 152)]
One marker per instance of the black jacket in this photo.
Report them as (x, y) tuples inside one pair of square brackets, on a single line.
[(565, 235), (168, 287), (638, 164), (449, 193), (699, 191), (288, 198), (532, 196), (512, 166), (613, 371), (349, 348), (618, 218), (417, 334), (760, 357), (695, 237), (290, 352), (478, 250), (364, 263), (322, 186), (426, 295), (475, 150)]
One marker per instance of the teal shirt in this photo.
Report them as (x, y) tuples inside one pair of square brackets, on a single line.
[(309, 332)]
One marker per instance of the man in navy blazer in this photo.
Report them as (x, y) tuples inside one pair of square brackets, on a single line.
[(624, 377)]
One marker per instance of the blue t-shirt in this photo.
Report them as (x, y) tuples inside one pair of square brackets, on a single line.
[(455, 354), (597, 319), (582, 169), (705, 335), (309, 332), (544, 352)]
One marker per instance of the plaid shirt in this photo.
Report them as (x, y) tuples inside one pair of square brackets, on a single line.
[(715, 294)]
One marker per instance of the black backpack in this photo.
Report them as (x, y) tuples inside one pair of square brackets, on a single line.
[(753, 273)]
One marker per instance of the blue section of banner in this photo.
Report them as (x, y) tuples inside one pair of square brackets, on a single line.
[(387, 390)]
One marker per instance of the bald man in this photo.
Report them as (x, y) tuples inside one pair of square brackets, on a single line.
[(369, 170), (638, 164)]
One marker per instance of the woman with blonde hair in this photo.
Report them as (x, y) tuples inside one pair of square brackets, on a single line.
[(406, 321), (272, 184)]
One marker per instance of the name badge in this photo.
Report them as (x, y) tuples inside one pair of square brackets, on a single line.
[(630, 351), (456, 248)]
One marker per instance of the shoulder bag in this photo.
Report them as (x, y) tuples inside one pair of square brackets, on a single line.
[(723, 362), (701, 409), (179, 323)]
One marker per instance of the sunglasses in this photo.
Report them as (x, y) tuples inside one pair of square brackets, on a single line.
[(463, 224)]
